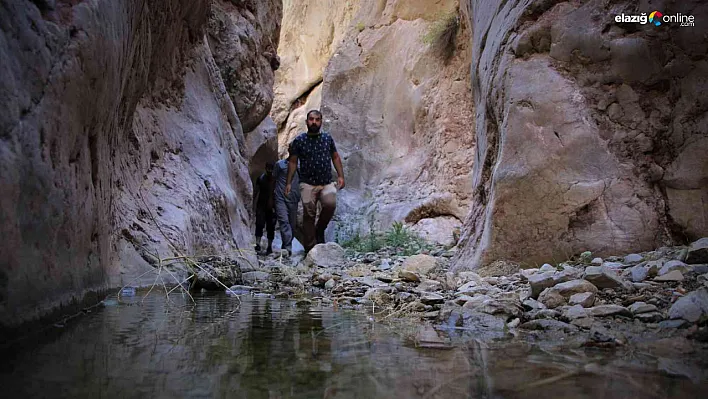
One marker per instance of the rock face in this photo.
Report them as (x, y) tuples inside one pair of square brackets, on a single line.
[(588, 131), (119, 141), (310, 34), (400, 112)]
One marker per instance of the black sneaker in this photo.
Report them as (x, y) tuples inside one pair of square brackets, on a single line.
[(269, 251), (320, 237)]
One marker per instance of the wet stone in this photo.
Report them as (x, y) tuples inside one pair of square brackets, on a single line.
[(596, 262)]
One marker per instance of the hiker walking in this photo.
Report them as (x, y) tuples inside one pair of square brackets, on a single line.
[(263, 198), (286, 205), (315, 150)]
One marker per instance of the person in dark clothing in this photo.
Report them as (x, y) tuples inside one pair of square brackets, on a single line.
[(285, 205), (265, 216), (316, 152)]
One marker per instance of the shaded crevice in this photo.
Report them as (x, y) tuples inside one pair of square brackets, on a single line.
[(299, 102)]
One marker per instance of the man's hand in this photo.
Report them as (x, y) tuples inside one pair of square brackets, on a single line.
[(288, 187), (340, 182)]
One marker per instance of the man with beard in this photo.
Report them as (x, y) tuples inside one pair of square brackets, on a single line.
[(316, 152)]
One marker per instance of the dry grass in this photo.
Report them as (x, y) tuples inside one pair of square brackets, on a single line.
[(442, 35)]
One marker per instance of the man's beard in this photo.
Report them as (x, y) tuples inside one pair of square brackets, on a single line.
[(313, 129)]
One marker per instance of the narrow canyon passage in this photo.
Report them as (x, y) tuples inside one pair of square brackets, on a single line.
[(525, 198)]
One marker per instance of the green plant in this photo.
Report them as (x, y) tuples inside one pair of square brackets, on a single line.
[(360, 26), (442, 34)]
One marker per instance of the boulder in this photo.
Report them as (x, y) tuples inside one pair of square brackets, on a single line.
[(419, 264), (674, 265), (551, 299), (466, 277), (602, 277), (328, 255), (633, 259), (674, 275), (430, 298), (584, 299), (438, 230), (574, 312), (691, 307), (405, 275), (506, 307), (547, 268), (698, 251), (532, 304), (559, 294), (643, 271), (541, 281)]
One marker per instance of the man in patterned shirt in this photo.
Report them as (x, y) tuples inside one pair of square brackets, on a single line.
[(316, 152)]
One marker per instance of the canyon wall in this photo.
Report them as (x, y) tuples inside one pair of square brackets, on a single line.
[(396, 100), (123, 140), (591, 134)]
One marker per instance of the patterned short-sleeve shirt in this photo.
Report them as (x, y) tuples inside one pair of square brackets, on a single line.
[(315, 156)]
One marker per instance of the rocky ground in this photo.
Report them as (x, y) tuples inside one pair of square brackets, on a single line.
[(620, 300)]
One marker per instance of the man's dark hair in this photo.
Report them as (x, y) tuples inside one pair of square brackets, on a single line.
[(314, 111), (270, 164)]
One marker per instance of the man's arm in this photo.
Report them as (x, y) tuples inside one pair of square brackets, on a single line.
[(292, 167), (337, 160)]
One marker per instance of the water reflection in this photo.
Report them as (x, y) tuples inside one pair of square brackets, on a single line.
[(267, 348)]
